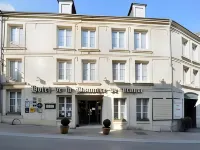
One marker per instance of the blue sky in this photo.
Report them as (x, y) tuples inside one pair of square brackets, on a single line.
[(184, 12)]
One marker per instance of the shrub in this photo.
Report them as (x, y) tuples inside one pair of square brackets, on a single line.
[(65, 121), (186, 123), (106, 123)]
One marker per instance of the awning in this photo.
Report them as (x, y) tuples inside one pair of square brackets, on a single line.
[(193, 96)]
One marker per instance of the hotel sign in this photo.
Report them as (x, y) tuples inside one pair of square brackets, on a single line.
[(36, 89)]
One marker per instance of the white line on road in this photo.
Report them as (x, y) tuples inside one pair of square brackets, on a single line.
[(51, 136)]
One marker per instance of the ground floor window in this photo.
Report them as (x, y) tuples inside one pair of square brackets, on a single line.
[(142, 109), (119, 108), (65, 107), (15, 102)]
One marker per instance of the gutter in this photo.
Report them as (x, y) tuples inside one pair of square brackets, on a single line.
[(172, 74)]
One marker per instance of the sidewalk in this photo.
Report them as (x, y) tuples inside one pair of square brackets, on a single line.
[(96, 132)]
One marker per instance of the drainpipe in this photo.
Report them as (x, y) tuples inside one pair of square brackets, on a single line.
[(1, 49), (172, 74)]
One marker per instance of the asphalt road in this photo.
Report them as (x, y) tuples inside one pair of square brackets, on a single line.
[(35, 143)]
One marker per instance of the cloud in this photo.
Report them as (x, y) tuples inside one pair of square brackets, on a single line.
[(6, 7)]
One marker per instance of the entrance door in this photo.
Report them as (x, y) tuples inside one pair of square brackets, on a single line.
[(89, 112), (190, 110)]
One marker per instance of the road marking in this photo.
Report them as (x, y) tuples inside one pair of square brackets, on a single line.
[(51, 136)]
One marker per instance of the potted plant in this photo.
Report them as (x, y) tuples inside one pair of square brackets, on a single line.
[(64, 126), (106, 128), (185, 124)]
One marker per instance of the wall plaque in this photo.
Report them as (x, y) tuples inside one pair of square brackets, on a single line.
[(50, 106)]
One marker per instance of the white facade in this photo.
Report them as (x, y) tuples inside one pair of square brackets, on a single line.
[(56, 52)]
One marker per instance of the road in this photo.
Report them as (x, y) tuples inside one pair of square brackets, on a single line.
[(35, 143)]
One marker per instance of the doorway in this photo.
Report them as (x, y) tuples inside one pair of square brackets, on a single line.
[(90, 112), (190, 110)]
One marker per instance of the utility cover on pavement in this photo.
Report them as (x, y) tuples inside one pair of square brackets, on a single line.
[(141, 133)]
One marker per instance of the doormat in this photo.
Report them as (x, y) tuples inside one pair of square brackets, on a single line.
[(141, 133)]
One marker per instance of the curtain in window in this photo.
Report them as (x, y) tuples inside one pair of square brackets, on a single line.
[(143, 40), (121, 40), (68, 38), (92, 39), (61, 71), (122, 71), (85, 71), (84, 39), (115, 71), (92, 71), (61, 37), (137, 72), (144, 72), (136, 40), (114, 39)]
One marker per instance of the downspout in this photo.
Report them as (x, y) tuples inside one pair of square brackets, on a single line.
[(172, 74), (1, 49)]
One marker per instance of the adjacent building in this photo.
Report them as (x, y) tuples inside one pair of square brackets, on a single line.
[(138, 72)]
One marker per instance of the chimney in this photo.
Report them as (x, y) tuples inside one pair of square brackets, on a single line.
[(66, 6), (137, 10)]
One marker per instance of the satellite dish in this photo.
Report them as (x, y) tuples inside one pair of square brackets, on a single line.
[(6, 7)]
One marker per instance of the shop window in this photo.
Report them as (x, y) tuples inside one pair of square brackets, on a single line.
[(65, 107), (142, 109), (119, 109), (14, 102)]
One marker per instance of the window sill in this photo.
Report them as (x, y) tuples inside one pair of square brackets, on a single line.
[(89, 50), (13, 83), (195, 62), (142, 51), (64, 49), (64, 83), (90, 84), (15, 48), (186, 58), (13, 113), (60, 118), (143, 122), (119, 50), (143, 84)]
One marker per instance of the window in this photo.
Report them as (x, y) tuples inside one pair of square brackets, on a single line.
[(186, 75), (118, 71), (65, 107), (15, 70), (15, 102), (195, 52), (140, 40), (196, 78), (185, 47), (16, 36), (120, 109), (89, 69), (142, 109), (88, 39), (141, 72), (118, 39), (65, 69), (64, 38)]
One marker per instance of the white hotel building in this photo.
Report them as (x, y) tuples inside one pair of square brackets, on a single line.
[(138, 72)]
